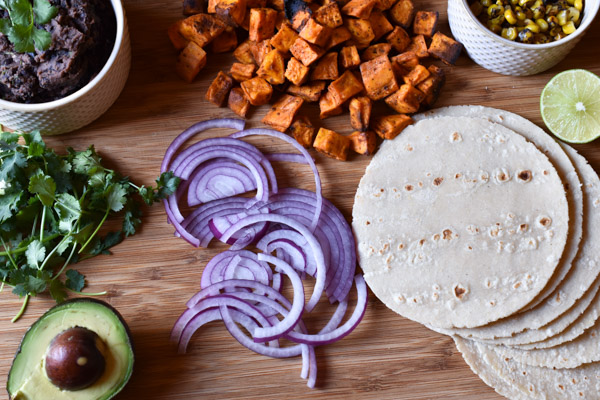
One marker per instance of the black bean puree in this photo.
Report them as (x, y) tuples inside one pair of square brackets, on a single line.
[(83, 35)]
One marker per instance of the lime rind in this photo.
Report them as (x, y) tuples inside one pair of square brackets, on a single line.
[(570, 106)]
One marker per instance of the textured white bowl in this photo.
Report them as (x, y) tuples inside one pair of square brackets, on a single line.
[(85, 105), (503, 56)]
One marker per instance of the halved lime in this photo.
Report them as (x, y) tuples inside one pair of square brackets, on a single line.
[(570, 106)]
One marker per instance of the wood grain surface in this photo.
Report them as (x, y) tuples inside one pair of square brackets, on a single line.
[(150, 277)]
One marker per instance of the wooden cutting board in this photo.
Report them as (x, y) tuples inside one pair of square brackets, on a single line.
[(150, 276)]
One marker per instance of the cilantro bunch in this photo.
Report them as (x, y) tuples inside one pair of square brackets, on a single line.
[(20, 26), (52, 208)]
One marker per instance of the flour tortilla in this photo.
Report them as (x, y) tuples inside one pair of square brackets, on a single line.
[(563, 293), (521, 381), (448, 219), (563, 164)]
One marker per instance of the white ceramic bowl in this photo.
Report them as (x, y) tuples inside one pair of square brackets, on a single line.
[(503, 56), (85, 105)]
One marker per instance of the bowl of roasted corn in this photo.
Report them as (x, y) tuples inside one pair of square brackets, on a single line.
[(520, 37)]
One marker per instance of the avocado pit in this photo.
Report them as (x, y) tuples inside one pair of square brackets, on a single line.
[(75, 359)]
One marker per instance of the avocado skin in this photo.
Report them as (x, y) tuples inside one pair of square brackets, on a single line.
[(67, 303)]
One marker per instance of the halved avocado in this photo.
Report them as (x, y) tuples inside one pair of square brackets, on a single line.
[(27, 379)]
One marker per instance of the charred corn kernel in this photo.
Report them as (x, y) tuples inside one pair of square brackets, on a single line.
[(573, 15), (524, 3), (539, 11), (520, 14), (552, 22), (578, 4), (569, 28), (525, 36), (509, 33), (496, 28), (560, 35), (532, 26), (510, 17), (476, 8), (494, 11), (542, 24), (551, 10), (541, 38), (571, 2), (562, 17)]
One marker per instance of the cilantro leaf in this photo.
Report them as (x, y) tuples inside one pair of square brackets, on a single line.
[(44, 187), (117, 196), (101, 246), (43, 11), (87, 162), (9, 205), (41, 38), (20, 12), (9, 137), (68, 210), (35, 253), (132, 218), (57, 291), (75, 281), (35, 285), (11, 164)]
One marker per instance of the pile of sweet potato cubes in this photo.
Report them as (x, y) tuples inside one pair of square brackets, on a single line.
[(338, 53)]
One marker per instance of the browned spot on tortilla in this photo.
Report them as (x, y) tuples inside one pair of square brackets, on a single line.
[(517, 285), (401, 246), (558, 299), (545, 222), (574, 381), (438, 181), (422, 242), (469, 247), (580, 394), (561, 387), (546, 172), (382, 190), (525, 175), (502, 177), (523, 227), (457, 176), (414, 300), (459, 292), (368, 223), (395, 190), (436, 236), (408, 188), (525, 373), (409, 147), (456, 136), (420, 184), (447, 234)]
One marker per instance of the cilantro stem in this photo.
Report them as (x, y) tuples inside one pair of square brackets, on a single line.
[(59, 273), (24, 249), (88, 294), (34, 224), (42, 223), (8, 253), (22, 310), (49, 255), (95, 231)]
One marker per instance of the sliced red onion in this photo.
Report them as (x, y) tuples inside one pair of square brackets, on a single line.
[(218, 179), (197, 223), (237, 124), (320, 276), (251, 234), (287, 235), (287, 157)]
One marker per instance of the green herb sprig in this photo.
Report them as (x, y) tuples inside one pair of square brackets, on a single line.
[(20, 26), (52, 208)]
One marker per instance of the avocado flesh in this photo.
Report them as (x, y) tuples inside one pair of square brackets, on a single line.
[(27, 378)]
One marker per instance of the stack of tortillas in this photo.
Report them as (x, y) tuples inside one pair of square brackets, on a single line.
[(478, 224)]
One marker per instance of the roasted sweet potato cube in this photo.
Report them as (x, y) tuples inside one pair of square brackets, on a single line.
[(359, 8), (399, 71), (257, 91), (300, 19), (378, 77), (383, 5), (418, 46), (303, 131), (399, 39), (296, 72), (190, 61), (405, 100), (389, 126), (278, 5), (282, 113), (201, 28), (360, 29), (349, 57), (284, 39), (281, 20), (329, 105), (243, 53), (425, 23), (432, 85), (211, 7), (191, 7), (272, 68), (178, 41), (329, 15), (311, 92), (255, 4), (363, 142), (315, 33), (338, 36), (445, 48), (260, 50), (376, 50), (332, 144), (326, 68), (238, 102), (360, 113), (379, 24), (219, 89), (417, 75), (225, 42), (407, 59), (233, 11), (262, 23), (345, 87), (403, 13), (242, 72), (306, 52)]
